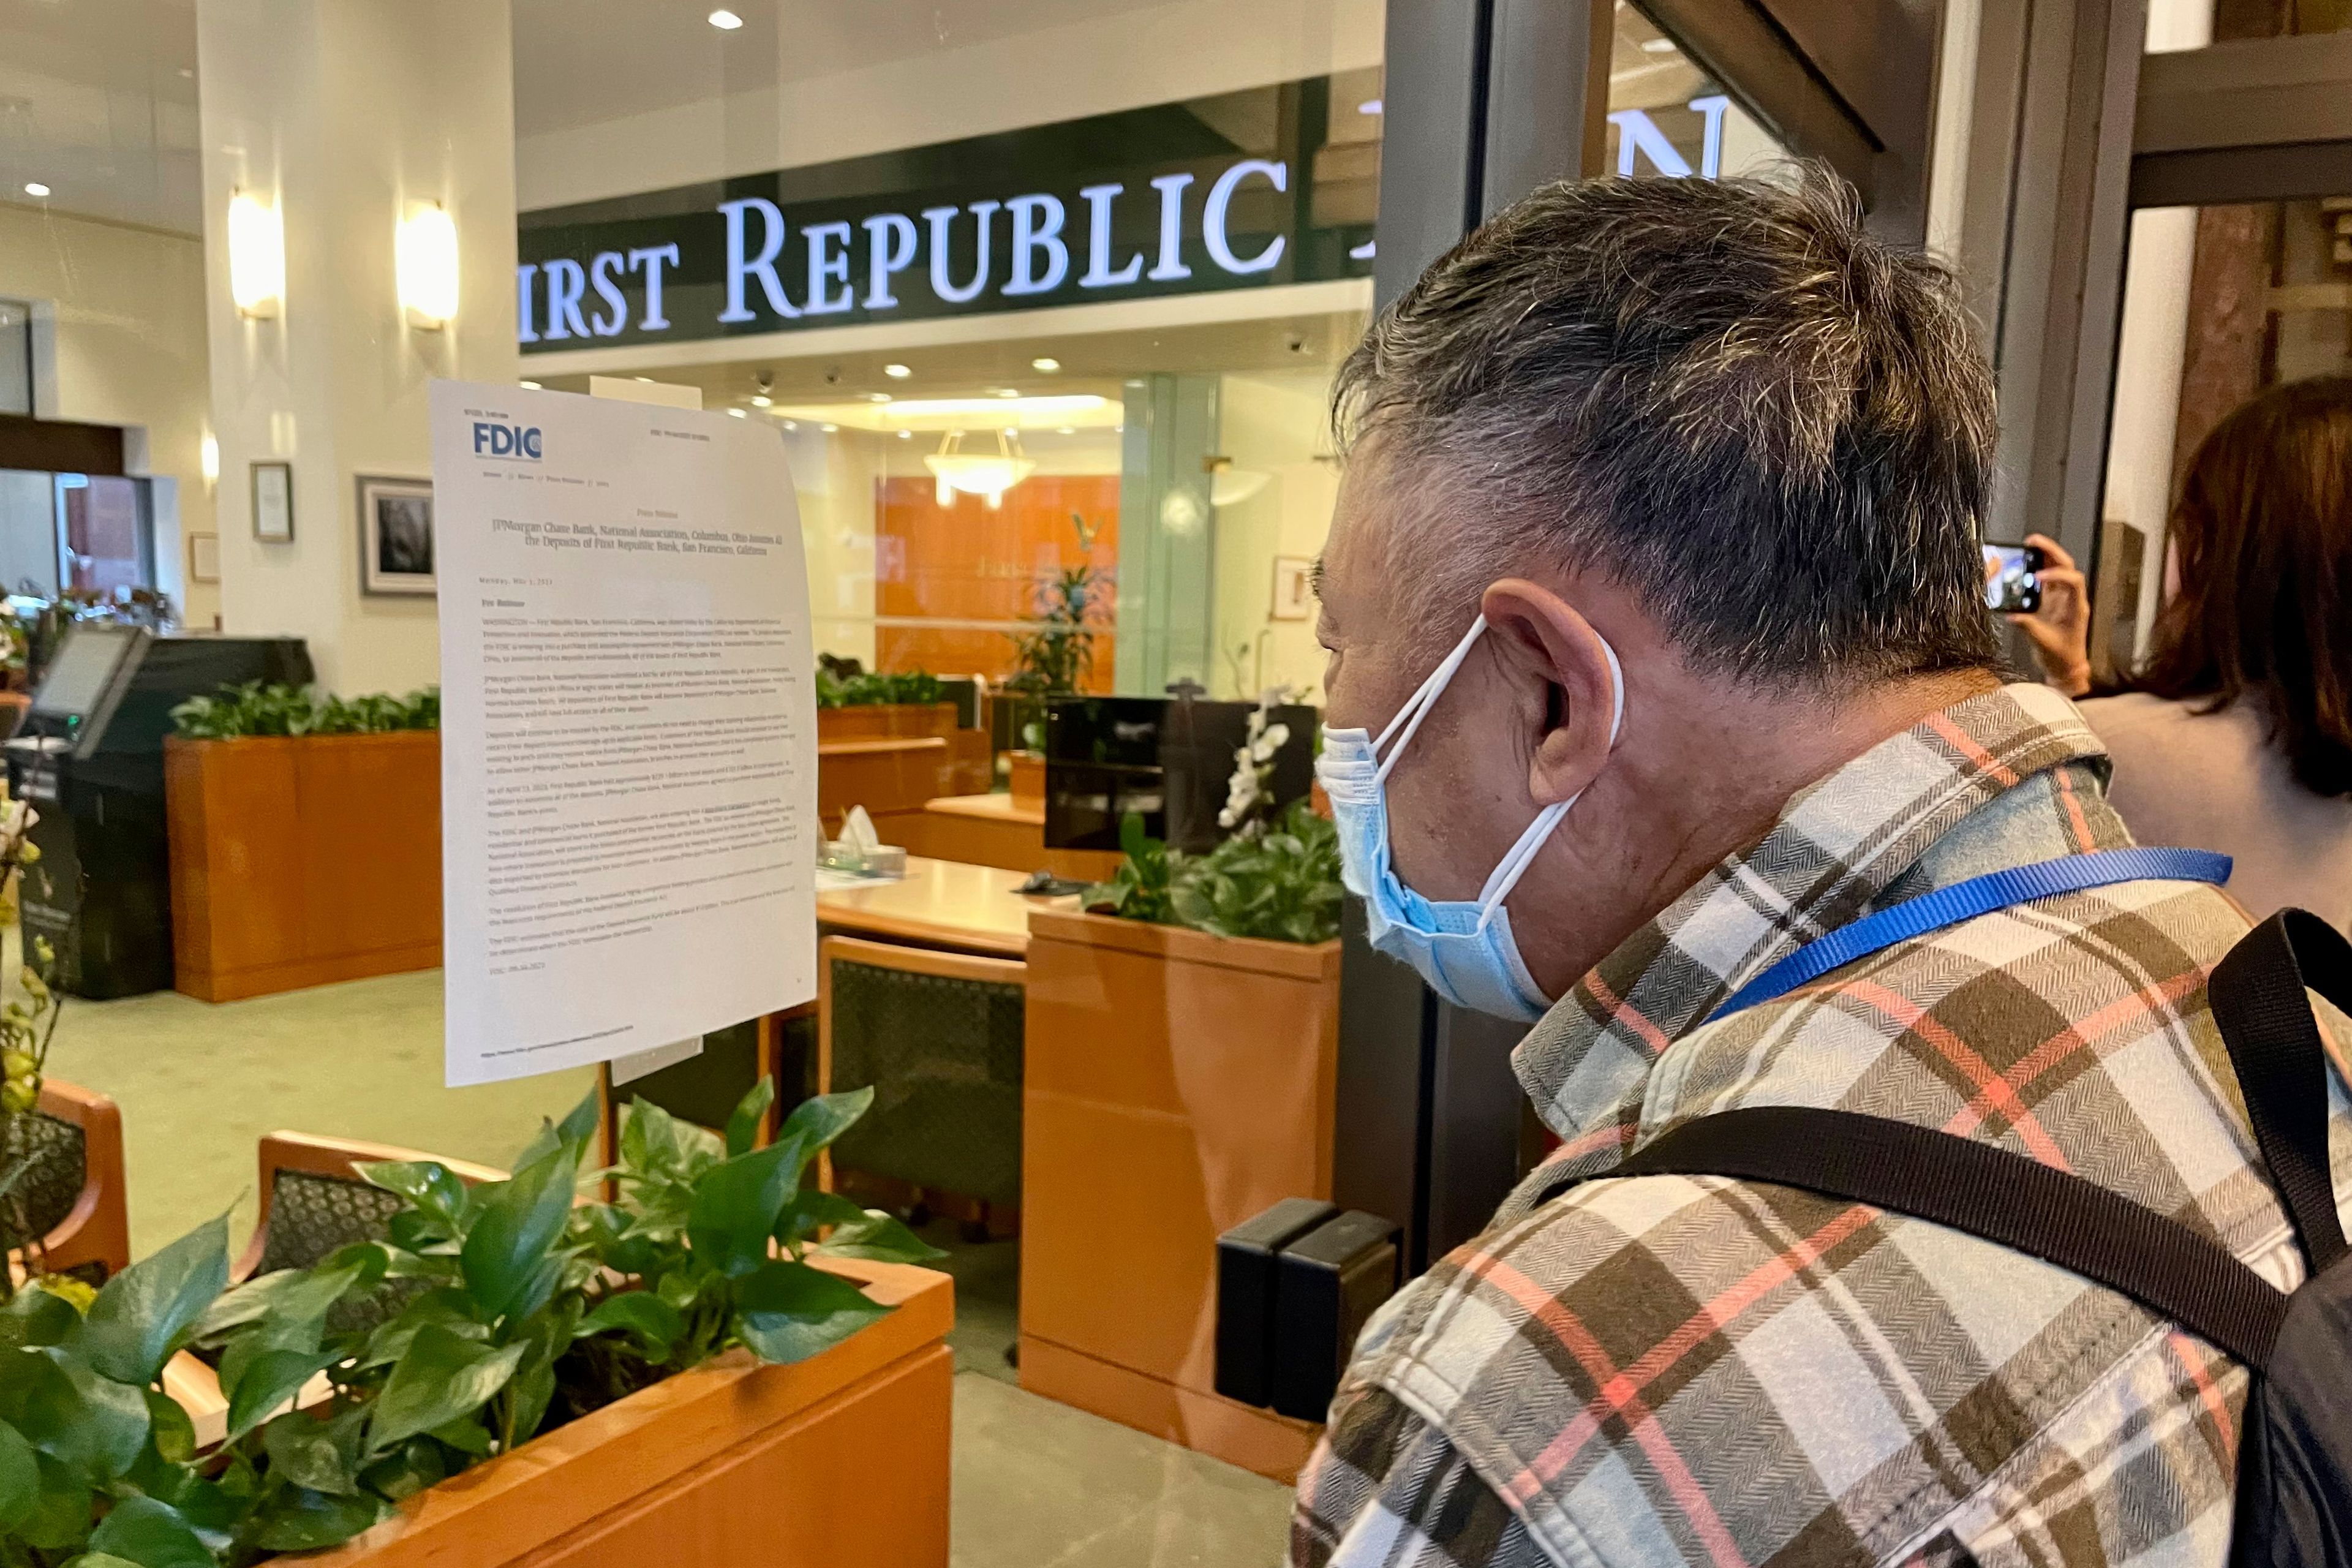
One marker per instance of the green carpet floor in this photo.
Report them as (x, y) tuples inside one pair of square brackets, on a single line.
[(199, 1082)]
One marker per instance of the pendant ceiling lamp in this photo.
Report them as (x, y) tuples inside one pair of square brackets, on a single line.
[(982, 474)]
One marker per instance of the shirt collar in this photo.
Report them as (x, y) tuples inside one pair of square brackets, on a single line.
[(1837, 847)]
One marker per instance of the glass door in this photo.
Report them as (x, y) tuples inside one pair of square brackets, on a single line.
[(102, 537)]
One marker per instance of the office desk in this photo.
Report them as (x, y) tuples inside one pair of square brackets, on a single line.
[(937, 904), (941, 903), (1001, 830)]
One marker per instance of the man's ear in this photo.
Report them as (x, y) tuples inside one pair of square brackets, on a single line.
[(1547, 641)]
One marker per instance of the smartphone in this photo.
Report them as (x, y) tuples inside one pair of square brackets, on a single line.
[(2014, 578)]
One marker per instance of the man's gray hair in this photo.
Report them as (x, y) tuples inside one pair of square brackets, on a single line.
[(1776, 430)]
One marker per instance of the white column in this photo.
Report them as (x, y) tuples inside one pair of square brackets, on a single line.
[(2151, 346), (346, 116)]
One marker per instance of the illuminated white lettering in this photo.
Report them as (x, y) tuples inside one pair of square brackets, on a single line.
[(650, 258), (1171, 227), (525, 302), (828, 266), (1098, 273), (762, 266), (603, 277), (1212, 216), (941, 220), (1037, 227), (1710, 157), (565, 284), (884, 258), (1637, 133)]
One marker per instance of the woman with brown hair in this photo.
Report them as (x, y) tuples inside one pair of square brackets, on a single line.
[(2235, 733)]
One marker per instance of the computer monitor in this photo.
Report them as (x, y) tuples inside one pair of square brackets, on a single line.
[(1167, 760), (84, 678)]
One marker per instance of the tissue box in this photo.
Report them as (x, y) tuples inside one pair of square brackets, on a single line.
[(882, 860)]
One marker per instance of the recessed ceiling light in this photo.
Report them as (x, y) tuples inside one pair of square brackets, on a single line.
[(1011, 431), (647, 379), (35, 188), (532, 386), (792, 424), (761, 400), (738, 414), (1066, 430), (725, 21), (1008, 391), (1370, 106), (1046, 362), (1657, 45), (829, 429), (906, 434), (897, 372), (878, 398)]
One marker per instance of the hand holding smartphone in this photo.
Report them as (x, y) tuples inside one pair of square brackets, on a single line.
[(2014, 578)]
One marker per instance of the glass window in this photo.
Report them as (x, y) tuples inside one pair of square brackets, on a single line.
[(2220, 302), (1668, 117), (2174, 25), (15, 357), (1032, 357), (1040, 298)]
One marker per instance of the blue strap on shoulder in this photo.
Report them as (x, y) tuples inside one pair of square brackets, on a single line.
[(1966, 901)]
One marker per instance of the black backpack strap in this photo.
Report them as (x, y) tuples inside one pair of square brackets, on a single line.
[(1986, 1192), (2257, 996)]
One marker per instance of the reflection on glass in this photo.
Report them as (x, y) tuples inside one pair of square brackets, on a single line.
[(15, 357), (1097, 425), (1668, 118), (2220, 302)]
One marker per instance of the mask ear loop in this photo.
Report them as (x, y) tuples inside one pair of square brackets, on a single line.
[(1514, 864), (1417, 706)]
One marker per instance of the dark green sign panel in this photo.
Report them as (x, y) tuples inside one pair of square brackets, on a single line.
[(1226, 193)]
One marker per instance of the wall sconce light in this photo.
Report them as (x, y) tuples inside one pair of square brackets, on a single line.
[(1229, 486), (208, 460), (427, 263), (257, 255)]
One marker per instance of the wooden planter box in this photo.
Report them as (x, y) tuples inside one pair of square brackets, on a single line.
[(840, 1461), (885, 721), (298, 862), (1176, 1085)]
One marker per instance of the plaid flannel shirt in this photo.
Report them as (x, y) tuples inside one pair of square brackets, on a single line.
[(1668, 1370)]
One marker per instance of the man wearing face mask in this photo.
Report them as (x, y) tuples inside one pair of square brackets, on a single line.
[(1661, 685)]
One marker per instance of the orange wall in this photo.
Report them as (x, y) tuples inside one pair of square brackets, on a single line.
[(968, 563)]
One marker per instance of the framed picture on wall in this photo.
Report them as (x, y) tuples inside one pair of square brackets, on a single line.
[(395, 535), (1294, 591), (204, 558), (273, 502)]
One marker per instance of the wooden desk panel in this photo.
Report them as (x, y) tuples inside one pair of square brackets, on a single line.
[(996, 831), (939, 903)]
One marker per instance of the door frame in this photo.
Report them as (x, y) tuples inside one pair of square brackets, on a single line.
[(1484, 102)]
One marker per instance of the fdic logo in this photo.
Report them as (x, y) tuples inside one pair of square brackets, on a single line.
[(506, 441)]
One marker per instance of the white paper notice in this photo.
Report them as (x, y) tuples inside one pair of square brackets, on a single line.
[(628, 728)]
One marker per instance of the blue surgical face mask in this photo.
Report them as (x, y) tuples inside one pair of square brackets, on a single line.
[(1462, 949)]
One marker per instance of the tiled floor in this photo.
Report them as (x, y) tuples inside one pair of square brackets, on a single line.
[(1037, 1485)]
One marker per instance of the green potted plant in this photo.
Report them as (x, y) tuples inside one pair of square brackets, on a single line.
[(1218, 976), (306, 837), (714, 1305), (1056, 658)]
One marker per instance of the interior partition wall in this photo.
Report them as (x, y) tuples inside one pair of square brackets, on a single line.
[(1488, 100)]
